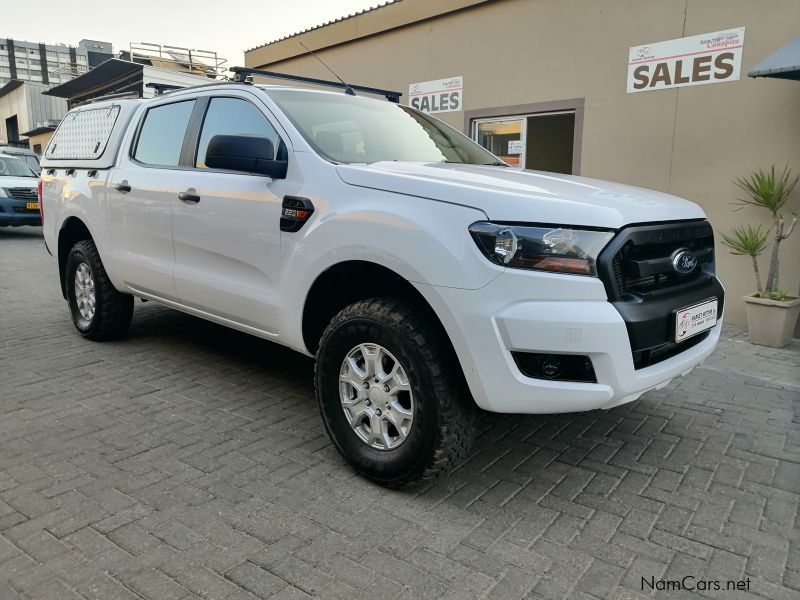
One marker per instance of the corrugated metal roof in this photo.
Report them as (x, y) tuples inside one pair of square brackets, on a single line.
[(355, 14), (10, 87), (38, 130), (109, 71)]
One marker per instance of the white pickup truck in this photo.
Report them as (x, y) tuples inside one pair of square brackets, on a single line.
[(424, 274)]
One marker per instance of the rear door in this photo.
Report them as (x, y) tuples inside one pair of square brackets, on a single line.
[(142, 192), (227, 232)]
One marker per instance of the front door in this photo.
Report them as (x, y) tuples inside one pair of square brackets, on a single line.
[(226, 230)]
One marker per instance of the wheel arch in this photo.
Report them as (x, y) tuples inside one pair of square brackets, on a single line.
[(350, 281), (72, 231)]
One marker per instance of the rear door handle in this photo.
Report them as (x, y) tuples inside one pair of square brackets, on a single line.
[(123, 187), (189, 196)]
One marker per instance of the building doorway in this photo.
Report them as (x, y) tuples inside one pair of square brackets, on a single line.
[(12, 130), (543, 141)]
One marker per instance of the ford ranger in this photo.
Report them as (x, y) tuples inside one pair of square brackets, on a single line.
[(426, 277)]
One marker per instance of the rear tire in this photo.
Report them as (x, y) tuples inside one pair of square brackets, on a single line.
[(407, 352), (99, 311)]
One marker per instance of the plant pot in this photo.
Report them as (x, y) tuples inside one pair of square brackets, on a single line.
[(771, 322)]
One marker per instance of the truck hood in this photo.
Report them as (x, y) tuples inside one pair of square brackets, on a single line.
[(16, 182), (507, 194)]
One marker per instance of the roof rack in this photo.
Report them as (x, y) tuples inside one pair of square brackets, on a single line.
[(163, 88), (240, 75)]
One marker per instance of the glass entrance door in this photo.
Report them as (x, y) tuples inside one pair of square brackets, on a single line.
[(504, 138)]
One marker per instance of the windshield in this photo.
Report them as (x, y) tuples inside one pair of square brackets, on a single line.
[(13, 167), (349, 129)]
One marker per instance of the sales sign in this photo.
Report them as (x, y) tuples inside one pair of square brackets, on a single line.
[(441, 95), (708, 58)]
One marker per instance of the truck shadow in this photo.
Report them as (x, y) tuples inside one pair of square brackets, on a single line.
[(19, 233), (512, 447)]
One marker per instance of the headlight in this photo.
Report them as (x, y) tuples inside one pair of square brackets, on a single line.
[(541, 247), (3, 193)]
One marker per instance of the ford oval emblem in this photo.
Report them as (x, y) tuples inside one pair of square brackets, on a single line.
[(684, 261)]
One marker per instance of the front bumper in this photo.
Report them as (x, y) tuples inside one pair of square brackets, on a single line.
[(14, 213), (574, 317)]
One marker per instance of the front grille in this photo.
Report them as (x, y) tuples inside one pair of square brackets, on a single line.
[(23, 193), (637, 271), (641, 262)]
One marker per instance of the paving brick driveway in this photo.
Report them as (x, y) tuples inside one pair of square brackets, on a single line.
[(190, 461)]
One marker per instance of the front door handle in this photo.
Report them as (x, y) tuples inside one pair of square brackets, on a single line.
[(123, 187), (189, 196)]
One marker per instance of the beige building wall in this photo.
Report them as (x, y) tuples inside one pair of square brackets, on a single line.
[(692, 141), (40, 141), (14, 103), (31, 107)]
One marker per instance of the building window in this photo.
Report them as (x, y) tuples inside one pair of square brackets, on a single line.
[(527, 138), (503, 138)]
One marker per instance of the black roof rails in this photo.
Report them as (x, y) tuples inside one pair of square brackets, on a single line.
[(240, 74), (163, 88)]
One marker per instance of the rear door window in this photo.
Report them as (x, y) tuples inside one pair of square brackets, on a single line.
[(161, 136)]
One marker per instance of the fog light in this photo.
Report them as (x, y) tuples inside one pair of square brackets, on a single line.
[(560, 367), (551, 366)]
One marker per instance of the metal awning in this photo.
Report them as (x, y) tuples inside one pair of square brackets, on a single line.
[(784, 63), (102, 77)]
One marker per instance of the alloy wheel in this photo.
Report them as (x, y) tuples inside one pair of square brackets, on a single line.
[(84, 292), (376, 396)]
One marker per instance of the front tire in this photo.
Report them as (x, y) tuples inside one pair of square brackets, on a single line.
[(99, 311), (391, 393)]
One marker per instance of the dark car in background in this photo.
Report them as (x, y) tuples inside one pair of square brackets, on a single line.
[(19, 194)]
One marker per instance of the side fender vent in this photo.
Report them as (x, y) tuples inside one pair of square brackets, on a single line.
[(296, 212)]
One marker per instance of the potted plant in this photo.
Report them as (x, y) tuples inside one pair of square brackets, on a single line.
[(771, 312)]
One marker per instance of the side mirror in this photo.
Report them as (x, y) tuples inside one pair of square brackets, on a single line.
[(246, 153)]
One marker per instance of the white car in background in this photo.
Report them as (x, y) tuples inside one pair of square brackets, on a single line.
[(29, 157), (19, 197)]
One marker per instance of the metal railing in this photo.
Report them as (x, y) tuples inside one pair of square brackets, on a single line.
[(198, 62)]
